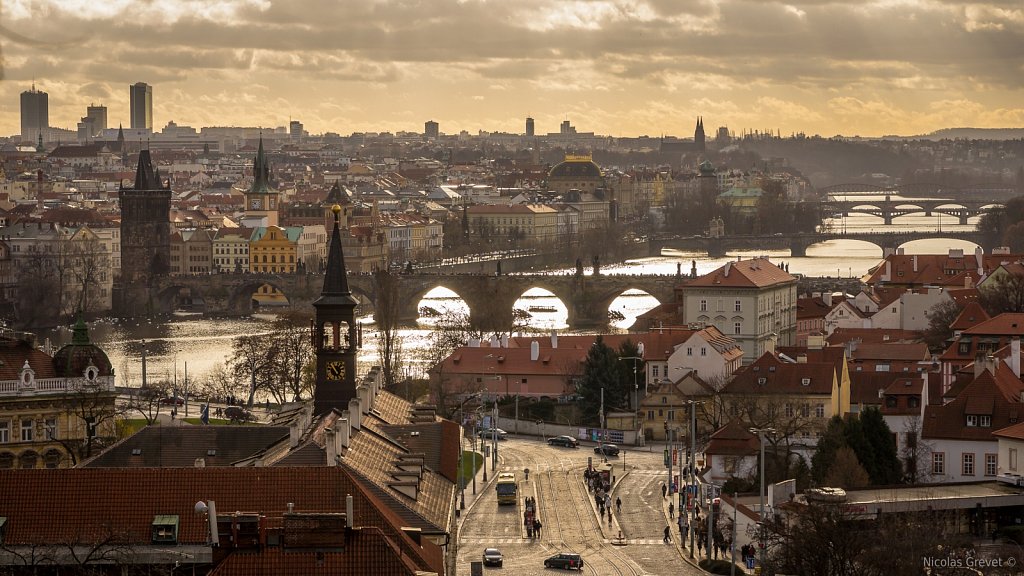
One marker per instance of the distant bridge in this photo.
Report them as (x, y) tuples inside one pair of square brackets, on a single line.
[(797, 244), (587, 297), (888, 209), (986, 193)]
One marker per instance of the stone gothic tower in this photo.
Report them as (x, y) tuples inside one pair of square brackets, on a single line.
[(334, 332), (145, 233), (699, 141)]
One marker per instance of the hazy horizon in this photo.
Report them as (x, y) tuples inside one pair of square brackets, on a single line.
[(614, 67)]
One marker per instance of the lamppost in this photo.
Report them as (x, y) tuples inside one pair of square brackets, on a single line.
[(760, 513), (693, 469), (143, 363), (462, 485)]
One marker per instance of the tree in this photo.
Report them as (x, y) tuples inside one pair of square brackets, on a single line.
[(1004, 294), (95, 406), (846, 471), (146, 400), (386, 311), (888, 468), (600, 372), (251, 359), (828, 445), (940, 322), (631, 372), (916, 452), (292, 358)]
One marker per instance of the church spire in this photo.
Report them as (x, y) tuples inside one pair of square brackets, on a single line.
[(260, 172), (146, 178), (336, 276)]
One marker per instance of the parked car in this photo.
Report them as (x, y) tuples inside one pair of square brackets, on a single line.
[(492, 557), (238, 414), (488, 433), (565, 560), (607, 449), (173, 401), (567, 441)]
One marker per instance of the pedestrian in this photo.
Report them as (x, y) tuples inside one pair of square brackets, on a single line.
[(536, 527), (608, 502), (671, 510), (664, 490), (668, 536), (618, 504)]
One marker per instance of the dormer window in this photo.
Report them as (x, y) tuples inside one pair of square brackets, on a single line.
[(762, 380), (165, 529), (805, 381), (985, 421), (972, 420)]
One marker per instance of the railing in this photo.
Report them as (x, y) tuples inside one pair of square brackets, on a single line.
[(55, 385)]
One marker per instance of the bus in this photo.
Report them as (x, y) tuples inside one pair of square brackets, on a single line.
[(507, 488)]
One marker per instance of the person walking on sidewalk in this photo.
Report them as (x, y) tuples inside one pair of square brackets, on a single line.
[(618, 504), (671, 510), (668, 536), (536, 528), (664, 489)]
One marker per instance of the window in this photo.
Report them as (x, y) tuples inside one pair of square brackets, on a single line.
[(703, 351), (689, 351), (703, 305), (664, 399), (985, 421), (1013, 459), (739, 306), (26, 430), (789, 410), (737, 328), (939, 463), (967, 464), (819, 411), (654, 370), (991, 463), (972, 420), (660, 412), (671, 414), (913, 402), (805, 411)]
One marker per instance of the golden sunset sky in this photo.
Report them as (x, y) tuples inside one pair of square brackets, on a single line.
[(616, 67)]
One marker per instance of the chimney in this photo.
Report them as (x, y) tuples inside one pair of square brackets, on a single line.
[(474, 342), (826, 297), (728, 266), (1015, 356), (343, 429), (801, 359), (887, 276), (363, 393), (914, 260), (504, 340), (331, 447), (494, 341), (899, 251), (979, 256), (354, 413), (968, 281), (554, 339), (294, 434), (534, 351), (886, 252), (348, 511), (291, 507)]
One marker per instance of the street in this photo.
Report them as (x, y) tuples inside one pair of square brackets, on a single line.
[(570, 519)]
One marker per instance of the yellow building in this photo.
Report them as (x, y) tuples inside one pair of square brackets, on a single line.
[(273, 250), (530, 222), (54, 412)]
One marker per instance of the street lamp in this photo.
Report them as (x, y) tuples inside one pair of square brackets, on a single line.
[(462, 429), (693, 469), (760, 434)]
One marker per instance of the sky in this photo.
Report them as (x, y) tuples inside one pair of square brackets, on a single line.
[(614, 67)]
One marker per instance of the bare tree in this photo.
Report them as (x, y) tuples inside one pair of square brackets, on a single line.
[(386, 308), (1004, 294), (251, 359), (916, 452), (292, 358), (148, 400), (95, 407)]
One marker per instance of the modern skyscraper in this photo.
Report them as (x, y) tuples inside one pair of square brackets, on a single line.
[(529, 127), (431, 129), (141, 106), (94, 122), (295, 130), (35, 113)]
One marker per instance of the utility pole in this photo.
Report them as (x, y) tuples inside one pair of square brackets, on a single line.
[(760, 513), (600, 435), (494, 436)]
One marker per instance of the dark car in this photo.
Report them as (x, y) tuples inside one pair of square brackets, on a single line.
[(173, 401), (488, 433), (238, 414), (565, 560), (567, 441), (492, 557), (607, 449)]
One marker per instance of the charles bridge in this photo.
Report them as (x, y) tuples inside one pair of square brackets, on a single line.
[(586, 296)]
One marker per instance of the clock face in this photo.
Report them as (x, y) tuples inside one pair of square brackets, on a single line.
[(256, 203), (335, 370)]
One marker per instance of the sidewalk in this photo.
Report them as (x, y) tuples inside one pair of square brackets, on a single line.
[(481, 486)]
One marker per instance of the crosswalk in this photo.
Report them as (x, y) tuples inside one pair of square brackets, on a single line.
[(496, 541)]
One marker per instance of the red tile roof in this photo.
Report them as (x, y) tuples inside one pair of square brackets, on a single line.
[(872, 336), (769, 375), (995, 395), (733, 439), (892, 351), (971, 315), (754, 273)]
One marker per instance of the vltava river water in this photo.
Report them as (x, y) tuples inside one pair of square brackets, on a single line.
[(203, 343)]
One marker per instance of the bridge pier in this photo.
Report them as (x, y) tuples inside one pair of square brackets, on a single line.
[(887, 218), (963, 218), (928, 213)]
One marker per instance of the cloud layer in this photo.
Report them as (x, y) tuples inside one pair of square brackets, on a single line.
[(620, 67)]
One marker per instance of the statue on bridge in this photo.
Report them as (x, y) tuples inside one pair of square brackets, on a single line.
[(579, 267), (597, 265)]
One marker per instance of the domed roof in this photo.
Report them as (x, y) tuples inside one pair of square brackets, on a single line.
[(576, 168), (706, 167), (72, 359)]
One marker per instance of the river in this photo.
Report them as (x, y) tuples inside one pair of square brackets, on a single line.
[(200, 343)]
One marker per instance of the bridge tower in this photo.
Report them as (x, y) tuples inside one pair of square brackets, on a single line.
[(145, 237), (334, 332)]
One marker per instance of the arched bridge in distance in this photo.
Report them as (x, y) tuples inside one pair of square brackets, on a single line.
[(927, 198), (797, 244), (586, 297)]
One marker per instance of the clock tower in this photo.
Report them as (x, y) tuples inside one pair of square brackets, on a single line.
[(334, 332), (261, 201)]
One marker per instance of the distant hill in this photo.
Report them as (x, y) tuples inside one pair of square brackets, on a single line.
[(969, 134)]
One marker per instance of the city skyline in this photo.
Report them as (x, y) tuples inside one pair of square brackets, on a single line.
[(620, 68)]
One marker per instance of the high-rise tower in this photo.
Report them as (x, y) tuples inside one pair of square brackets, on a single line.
[(141, 106), (334, 332), (35, 114), (529, 127)]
